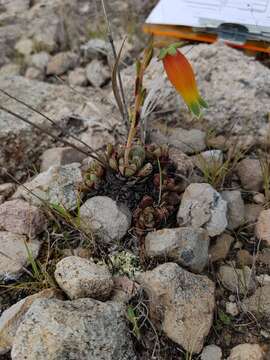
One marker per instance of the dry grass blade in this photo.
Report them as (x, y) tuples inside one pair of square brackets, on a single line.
[(47, 118), (55, 137), (114, 81)]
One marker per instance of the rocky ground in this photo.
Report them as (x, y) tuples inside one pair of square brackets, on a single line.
[(172, 262)]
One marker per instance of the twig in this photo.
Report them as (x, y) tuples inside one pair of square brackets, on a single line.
[(110, 38), (65, 142), (49, 119)]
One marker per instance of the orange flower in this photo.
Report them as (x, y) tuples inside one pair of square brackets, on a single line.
[(181, 75)]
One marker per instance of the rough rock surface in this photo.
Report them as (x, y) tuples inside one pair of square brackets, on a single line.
[(235, 208), (82, 278), (185, 246), (259, 302), (58, 156), (182, 301), (97, 73), (19, 217), (13, 255), (237, 280), (221, 248), (250, 174), (80, 329), (262, 227), (211, 352), (61, 63), (11, 318), (247, 352), (202, 206), (58, 186), (105, 218)]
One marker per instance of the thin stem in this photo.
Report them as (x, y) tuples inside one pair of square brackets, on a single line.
[(65, 142), (160, 182), (111, 41)]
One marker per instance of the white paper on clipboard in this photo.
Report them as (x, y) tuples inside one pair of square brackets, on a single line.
[(255, 15)]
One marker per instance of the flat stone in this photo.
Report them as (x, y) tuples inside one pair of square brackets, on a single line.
[(19, 217), (80, 329), (185, 246), (11, 318), (14, 256), (105, 218), (181, 304), (203, 206), (82, 278)]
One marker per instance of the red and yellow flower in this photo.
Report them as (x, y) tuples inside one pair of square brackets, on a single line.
[(181, 75)]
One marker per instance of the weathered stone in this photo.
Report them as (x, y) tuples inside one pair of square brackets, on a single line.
[(237, 280), (259, 198), (232, 308), (7, 189), (82, 278), (250, 174), (182, 302), (184, 163), (211, 352), (124, 289), (247, 352), (19, 217), (259, 302), (252, 212), (77, 77), (262, 227), (97, 73), (34, 74), (10, 70), (25, 47), (202, 206), (60, 156), (80, 329), (14, 256), (11, 318), (245, 258), (210, 159), (105, 218), (185, 246), (39, 60), (58, 186), (235, 208), (95, 49), (61, 63), (221, 248)]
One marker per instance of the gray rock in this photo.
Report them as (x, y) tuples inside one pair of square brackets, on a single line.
[(19, 217), (82, 278), (183, 162), (235, 208), (188, 141), (39, 60), (33, 73), (210, 159), (94, 49), (237, 280), (10, 70), (181, 303), (57, 186), (105, 218), (221, 248), (24, 47), (259, 302), (14, 256), (80, 329), (185, 246), (61, 63), (211, 352), (252, 212), (11, 318), (262, 227), (203, 206), (250, 174), (58, 156), (77, 77), (247, 352), (97, 73)]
